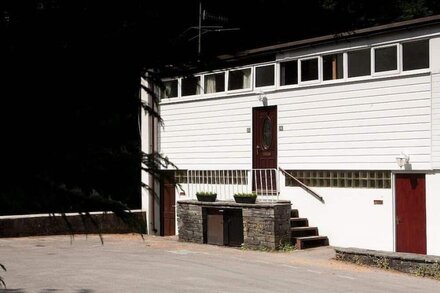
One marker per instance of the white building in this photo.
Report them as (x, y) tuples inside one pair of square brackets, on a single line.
[(354, 116)]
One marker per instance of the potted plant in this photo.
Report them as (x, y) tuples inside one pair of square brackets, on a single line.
[(206, 196), (245, 197)]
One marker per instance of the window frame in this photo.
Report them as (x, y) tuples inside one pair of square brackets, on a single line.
[(415, 71), (313, 81), (362, 77), (200, 86), (215, 93), (251, 86), (278, 74), (344, 67), (162, 92), (387, 72), (254, 79)]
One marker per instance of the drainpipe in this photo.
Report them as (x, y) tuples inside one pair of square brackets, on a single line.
[(153, 180)]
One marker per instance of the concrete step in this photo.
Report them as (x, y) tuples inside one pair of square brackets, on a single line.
[(299, 222), (294, 213), (310, 241), (296, 232)]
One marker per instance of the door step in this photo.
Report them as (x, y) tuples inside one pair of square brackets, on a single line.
[(299, 222), (303, 236), (310, 242), (296, 232)]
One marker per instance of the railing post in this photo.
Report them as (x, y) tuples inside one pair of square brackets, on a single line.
[(277, 173), (187, 183)]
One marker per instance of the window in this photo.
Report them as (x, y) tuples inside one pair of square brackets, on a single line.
[(170, 88), (359, 63), (267, 133), (265, 76), (341, 179), (332, 66), (239, 79), (224, 177), (309, 69), (385, 59), (289, 72), (191, 86), (416, 55), (214, 83)]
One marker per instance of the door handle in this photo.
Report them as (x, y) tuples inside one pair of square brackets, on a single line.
[(258, 148), (397, 220)]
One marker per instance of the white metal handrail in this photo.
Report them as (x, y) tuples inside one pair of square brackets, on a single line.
[(264, 182), (305, 187)]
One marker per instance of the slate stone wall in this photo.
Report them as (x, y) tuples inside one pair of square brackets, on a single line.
[(265, 225), (56, 225), (420, 265), (190, 222)]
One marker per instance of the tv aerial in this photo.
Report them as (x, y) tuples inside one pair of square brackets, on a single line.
[(204, 29)]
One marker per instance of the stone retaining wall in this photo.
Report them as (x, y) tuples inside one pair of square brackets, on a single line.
[(265, 225), (420, 265), (42, 225)]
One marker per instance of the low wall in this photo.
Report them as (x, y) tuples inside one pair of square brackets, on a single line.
[(420, 265), (265, 225), (41, 225)]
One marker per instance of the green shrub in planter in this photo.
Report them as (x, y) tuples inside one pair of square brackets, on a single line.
[(245, 197), (206, 196)]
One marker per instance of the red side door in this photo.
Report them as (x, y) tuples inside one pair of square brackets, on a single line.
[(410, 213), (168, 205)]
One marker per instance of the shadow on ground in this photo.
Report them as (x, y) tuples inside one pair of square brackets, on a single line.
[(43, 291)]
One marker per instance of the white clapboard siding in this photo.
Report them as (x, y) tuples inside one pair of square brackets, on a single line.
[(394, 120), (354, 125), (343, 145), (202, 138), (436, 121)]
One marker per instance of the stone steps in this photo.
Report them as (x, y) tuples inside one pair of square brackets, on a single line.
[(299, 222), (303, 236)]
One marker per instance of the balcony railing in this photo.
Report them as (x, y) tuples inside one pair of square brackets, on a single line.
[(264, 182)]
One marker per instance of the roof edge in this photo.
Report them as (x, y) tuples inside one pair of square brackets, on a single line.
[(333, 37)]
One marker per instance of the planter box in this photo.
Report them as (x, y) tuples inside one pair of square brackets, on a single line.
[(208, 198), (245, 199)]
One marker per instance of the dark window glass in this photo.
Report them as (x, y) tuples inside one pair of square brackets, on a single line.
[(239, 79), (416, 55), (309, 69), (191, 86), (359, 63), (267, 133), (289, 73), (332, 66), (214, 83), (170, 88), (385, 59), (264, 76)]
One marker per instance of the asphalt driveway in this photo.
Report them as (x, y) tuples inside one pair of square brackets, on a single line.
[(126, 263)]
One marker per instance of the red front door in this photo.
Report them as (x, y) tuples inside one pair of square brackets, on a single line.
[(264, 142), (264, 135), (410, 213)]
